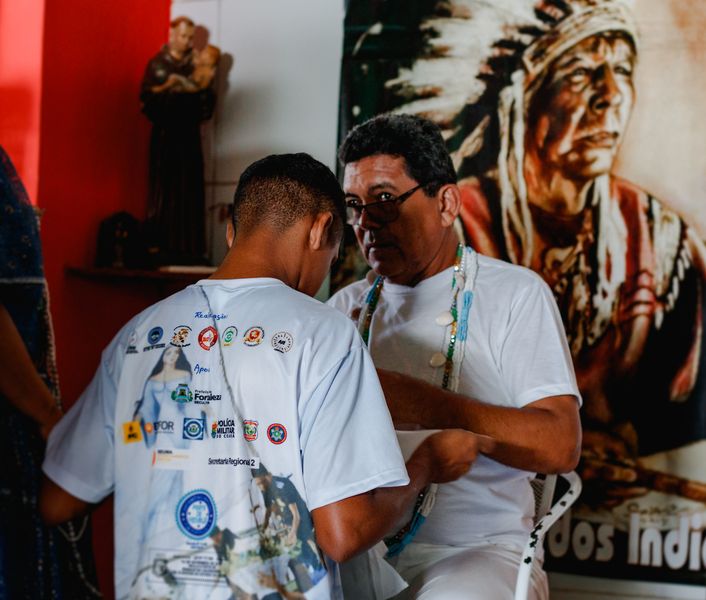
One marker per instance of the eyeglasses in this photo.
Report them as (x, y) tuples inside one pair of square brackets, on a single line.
[(383, 211)]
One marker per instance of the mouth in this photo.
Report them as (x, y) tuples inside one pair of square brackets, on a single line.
[(599, 139), (377, 246)]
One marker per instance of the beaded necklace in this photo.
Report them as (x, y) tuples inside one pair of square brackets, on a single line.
[(463, 283)]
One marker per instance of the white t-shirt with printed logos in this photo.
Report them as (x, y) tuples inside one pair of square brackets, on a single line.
[(179, 443), (516, 353)]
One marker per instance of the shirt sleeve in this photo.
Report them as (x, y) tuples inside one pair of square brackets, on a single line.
[(535, 360), (348, 441), (340, 301), (81, 448)]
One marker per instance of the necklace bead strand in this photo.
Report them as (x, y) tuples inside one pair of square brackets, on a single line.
[(450, 318), (464, 279)]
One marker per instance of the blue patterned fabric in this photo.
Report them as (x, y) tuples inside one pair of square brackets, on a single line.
[(35, 561)]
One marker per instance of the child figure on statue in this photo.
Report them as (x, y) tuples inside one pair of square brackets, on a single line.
[(205, 62)]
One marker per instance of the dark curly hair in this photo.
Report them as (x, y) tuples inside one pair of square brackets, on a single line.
[(418, 141)]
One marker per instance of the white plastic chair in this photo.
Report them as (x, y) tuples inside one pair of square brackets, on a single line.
[(546, 514)]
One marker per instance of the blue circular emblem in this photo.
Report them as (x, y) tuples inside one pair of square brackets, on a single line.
[(155, 334), (196, 514)]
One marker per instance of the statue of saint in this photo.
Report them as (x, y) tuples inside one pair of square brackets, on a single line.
[(177, 95)]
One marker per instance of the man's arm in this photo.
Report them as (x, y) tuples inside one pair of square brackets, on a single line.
[(349, 526), (56, 505), (296, 519), (543, 436), (19, 381)]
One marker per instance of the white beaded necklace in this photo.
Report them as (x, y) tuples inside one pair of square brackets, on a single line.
[(463, 284)]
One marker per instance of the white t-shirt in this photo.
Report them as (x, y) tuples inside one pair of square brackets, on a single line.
[(158, 427), (516, 353)]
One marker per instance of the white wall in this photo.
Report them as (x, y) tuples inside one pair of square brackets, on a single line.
[(279, 95)]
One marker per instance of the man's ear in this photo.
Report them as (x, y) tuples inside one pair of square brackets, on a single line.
[(449, 198), (230, 234), (320, 232)]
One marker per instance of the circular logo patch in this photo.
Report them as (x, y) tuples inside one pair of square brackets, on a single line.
[(282, 341), (277, 433), (229, 335), (196, 514), (180, 336), (208, 337), (155, 334), (193, 428), (254, 336)]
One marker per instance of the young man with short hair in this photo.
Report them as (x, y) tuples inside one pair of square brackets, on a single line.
[(235, 379)]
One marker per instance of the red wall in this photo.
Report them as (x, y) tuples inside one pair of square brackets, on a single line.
[(21, 30), (93, 161)]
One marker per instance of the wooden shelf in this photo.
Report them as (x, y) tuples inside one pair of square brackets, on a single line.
[(136, 275)]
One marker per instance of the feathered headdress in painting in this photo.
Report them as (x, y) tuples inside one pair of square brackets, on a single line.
[(485, 60)]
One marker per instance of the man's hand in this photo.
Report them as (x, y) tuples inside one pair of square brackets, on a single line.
[(543, 436), (451, 453), (349, 526)]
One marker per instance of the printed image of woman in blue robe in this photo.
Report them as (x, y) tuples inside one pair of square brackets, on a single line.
[(164, 412)]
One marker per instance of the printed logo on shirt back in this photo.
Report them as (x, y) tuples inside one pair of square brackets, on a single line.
[(193, 428), (154, 337), (229, 335), (180, 336), (277, 433), (282, 341), (132, 432), (132, 343), (208, 337), (196, 514), (250, 430), (182, 394), (253, 336)]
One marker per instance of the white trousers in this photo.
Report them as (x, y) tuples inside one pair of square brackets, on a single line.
[(487, 572)]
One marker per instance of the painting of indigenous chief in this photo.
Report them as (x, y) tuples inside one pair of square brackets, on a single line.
[(560, 172)]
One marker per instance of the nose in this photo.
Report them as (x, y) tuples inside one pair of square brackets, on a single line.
[(366, 222), (607, 90)]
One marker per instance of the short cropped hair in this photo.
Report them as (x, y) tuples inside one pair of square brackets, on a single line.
[(418, 141), (281, 189)]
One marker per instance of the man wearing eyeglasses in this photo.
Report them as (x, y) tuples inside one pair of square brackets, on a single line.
[(459, 340)]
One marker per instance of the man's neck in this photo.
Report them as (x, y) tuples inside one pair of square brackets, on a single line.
[(251, 259), (441, 260)]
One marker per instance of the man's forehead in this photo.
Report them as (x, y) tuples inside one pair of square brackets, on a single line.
[(376, 170)]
